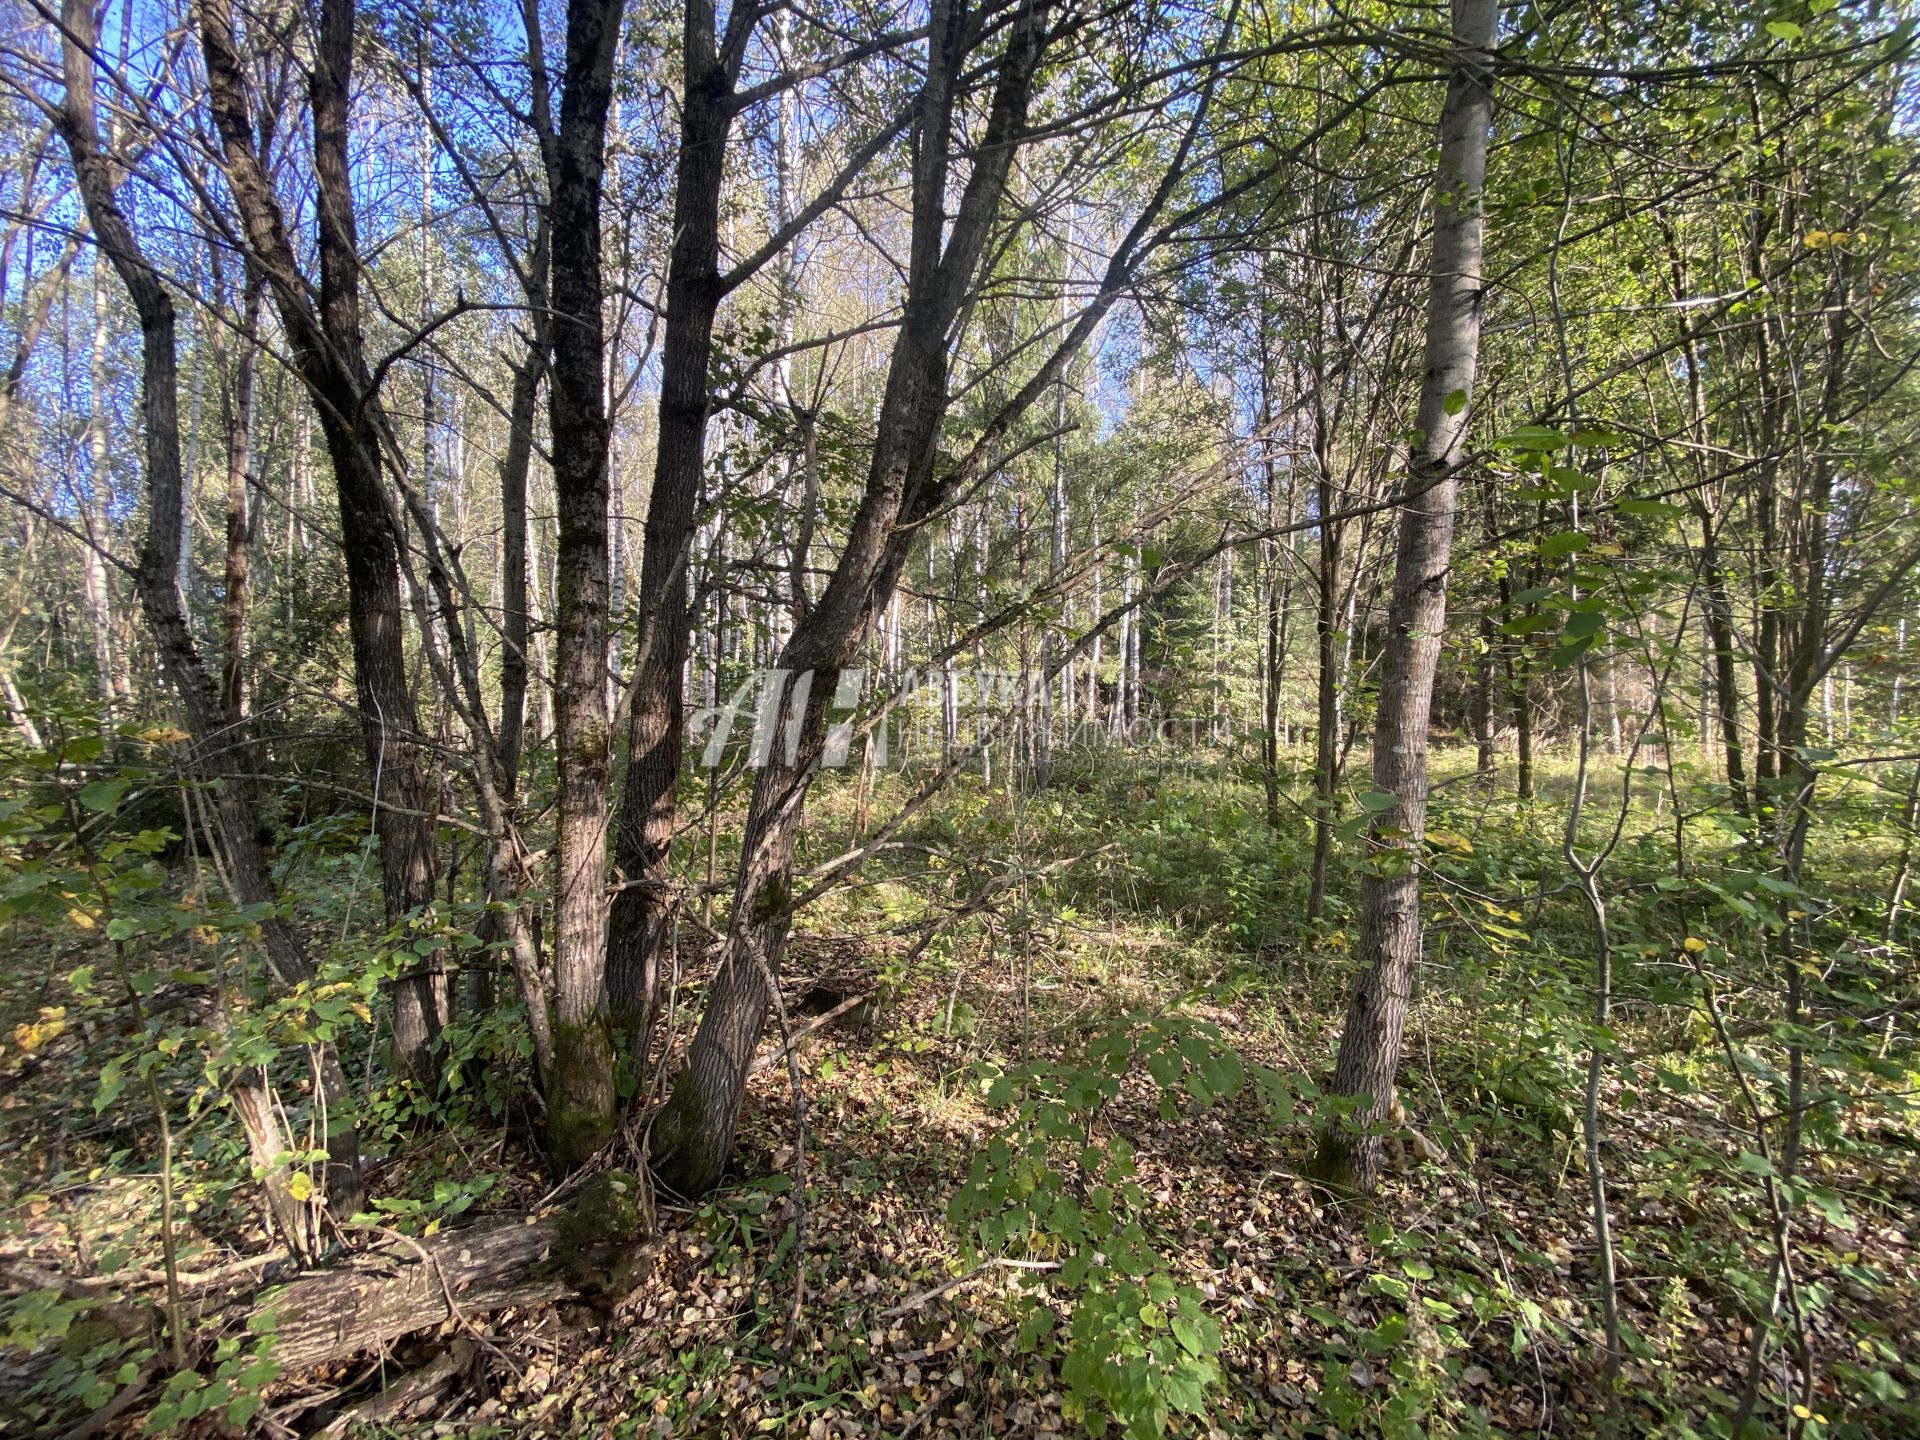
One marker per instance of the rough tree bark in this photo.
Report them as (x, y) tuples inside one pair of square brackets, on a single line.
[(329, 355), (157, 579), (515, 466), (693, 1132), (1390, 928), (580, 1089), (640, 923), (238, 399)]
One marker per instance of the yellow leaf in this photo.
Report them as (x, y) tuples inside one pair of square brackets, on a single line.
[(1693, 944), (433, 1227), (30, 1037), (1803, 1412), (300, 1185), (81, 920), (162, 735)]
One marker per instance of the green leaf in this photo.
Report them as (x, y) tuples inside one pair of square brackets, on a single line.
[(1455, 402), (1595, 437), (1784, 30), (103, 796), (1534, 437), (1389, 1285), (1566, 542)]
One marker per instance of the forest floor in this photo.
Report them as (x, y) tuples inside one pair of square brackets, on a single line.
[(1458, 1300)]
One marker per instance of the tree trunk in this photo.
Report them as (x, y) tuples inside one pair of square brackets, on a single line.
[(1327, 749), (641, 921), (515, 466), (693, 1132), (580, 1091), (1718, 612), (157, 580), (1390, 928), (329, 355), (1485, 719), (94, 581), (239, 417)]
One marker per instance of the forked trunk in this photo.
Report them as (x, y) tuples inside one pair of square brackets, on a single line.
[(693, 1132)]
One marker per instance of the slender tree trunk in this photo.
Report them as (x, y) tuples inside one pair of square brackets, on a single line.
[(1520, 698), (95, 585), (515, 467), (1718, 613), (369, 534), (239, 417), (642, 913), (1485, 719), (693, 1132), (580, 1091), (157, 580), (1390, 927), (1327, 740), (329, 354)]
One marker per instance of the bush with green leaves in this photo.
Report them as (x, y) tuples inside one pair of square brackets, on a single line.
[(1054, 1190)]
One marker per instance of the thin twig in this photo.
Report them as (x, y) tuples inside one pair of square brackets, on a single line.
[(915, 1302)]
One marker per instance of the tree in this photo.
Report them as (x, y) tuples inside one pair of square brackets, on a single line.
[(1390, 922), (218, 744), (580, 1091), (330, 356)]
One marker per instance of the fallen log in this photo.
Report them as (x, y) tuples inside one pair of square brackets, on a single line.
[(403, 1285), (411, 1393)]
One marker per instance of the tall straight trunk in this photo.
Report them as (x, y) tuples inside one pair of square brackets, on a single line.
[(329, 353), (1117, 718), (1279, 592), (235, 597), (503, 871), (94, 581), (1273, 606), (580, 1091), (1718, 613), (515, 465), (1327, 748), (215, 751), (693, 1132), (1517, 670), (1484, 715), (369, 534), (1390, 927), (642, 913)]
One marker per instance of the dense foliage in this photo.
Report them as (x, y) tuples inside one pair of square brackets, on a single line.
[(988, 718)]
